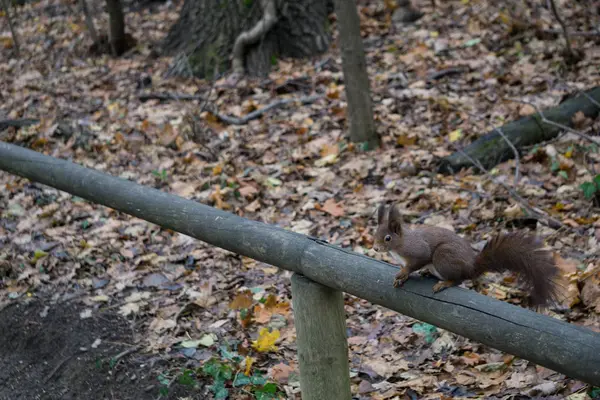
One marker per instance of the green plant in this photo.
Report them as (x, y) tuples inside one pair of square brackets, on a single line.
[(162, 175), (591, 189)]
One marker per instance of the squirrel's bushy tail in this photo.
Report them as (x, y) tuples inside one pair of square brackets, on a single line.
[(525, 255)]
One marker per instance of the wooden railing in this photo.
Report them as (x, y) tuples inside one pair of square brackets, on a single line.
[(322, 272)]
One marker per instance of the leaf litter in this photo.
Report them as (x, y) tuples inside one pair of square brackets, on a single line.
[(293, 167)]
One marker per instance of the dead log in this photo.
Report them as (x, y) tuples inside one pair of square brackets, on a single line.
[(491, 149)]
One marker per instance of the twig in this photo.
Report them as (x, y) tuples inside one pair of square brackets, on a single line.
[(13, 30), (590, 98), (124, 353), (552, 6), (60, 364), (168, 96), (556, 124), (553, 223), (447, 71), (576, 33), (257, 113), (510, 144)]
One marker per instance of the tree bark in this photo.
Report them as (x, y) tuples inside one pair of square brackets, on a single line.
[(13, 30), (492, 149), (204, 37), (89, 22), (356, 80), (118, 40)]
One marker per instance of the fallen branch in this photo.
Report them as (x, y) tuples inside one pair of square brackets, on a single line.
[(17, 123), (492, 148), (561, 126), (257, 113), (247, 38), (168, 96), (446, 72)]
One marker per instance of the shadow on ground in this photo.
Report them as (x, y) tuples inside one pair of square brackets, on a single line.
[(49, 353)]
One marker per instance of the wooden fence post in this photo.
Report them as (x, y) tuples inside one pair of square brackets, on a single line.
[(322, 344)]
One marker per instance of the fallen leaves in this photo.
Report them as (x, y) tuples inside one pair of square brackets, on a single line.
[(266, 340)]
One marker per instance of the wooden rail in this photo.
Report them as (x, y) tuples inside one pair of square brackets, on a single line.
[(560, 346)]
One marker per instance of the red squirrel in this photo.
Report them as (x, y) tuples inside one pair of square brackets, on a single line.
[(450, 258)]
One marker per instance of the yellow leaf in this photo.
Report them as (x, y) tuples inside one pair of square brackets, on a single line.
[(455, 135), (249, 362), (266, 340), (569, 153), (217, 170)]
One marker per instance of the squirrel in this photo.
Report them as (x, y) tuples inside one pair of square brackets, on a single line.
[(450, 258)]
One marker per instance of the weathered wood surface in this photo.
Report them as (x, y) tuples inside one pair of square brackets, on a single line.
[(320, 323), (491, 149), (560, 346)]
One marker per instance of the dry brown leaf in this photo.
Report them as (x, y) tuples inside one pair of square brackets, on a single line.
[(331, 207), (280, 372), (242, 300)]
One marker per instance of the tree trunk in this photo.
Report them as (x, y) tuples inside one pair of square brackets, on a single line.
[(118, 40), (204, 36), (356, 80)]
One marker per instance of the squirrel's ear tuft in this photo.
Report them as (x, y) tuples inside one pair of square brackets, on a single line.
[(380, 213), (395, 219)]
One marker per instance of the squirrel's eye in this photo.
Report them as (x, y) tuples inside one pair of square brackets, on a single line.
[(387, 238)]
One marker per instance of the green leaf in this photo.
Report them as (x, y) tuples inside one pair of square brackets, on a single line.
[(164, 391), (563, 174), (269, 388), (221, 393), (187, 378), (597, 181), (589, 189), (39, 254), (258, 380), (472, 42), (429, 331), (241, 380), (163, 379)]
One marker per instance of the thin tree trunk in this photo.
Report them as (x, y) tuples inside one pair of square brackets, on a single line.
[(13, 30), (356, 80), (89, 22), (118, 41)]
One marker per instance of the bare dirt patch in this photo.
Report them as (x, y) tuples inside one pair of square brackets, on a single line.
[(47, 351)]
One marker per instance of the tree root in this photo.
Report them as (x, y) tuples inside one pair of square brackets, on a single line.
[(252, 36)]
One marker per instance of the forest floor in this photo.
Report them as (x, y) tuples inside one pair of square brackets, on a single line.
[(96, 304)]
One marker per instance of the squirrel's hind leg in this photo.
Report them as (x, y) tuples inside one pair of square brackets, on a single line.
[(441, 285), (450, 266)]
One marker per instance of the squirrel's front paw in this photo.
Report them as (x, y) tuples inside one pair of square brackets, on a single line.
[(400, 278)]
